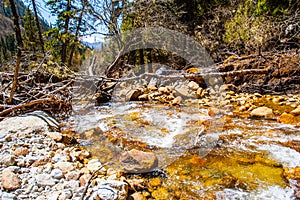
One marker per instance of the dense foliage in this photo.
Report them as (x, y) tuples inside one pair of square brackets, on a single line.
[(223, 28)]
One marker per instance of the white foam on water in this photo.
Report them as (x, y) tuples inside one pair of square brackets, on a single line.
[(271, 193), (173, 125), (275, 193), (274, 138), (284, 155)]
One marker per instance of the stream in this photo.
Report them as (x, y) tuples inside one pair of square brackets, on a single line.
[(205, 153)]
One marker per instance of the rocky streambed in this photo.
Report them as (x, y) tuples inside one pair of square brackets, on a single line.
[(37, 163), (210, 144), (182, 143)]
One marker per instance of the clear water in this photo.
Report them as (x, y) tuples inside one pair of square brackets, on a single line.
[(206, 156)]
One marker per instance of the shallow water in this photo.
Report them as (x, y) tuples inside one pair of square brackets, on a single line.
[(206, 156)]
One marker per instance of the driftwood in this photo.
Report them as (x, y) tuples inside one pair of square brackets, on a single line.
[(36, 90), (173, 75), (25, 106)]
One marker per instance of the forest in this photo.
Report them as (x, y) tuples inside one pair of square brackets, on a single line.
[(223, 28)]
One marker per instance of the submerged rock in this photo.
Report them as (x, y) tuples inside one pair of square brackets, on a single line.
[(262, 112), (296, 111), (135, 161), (287, 119)]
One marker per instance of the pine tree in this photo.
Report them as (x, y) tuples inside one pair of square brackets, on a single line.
[(30, 36), (74, 20), (65, 12)]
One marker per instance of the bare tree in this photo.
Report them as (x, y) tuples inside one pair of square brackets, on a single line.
[(38, 25), (20, 45)]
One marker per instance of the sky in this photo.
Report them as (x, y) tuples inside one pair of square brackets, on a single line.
[(51, 19), (44, 11)]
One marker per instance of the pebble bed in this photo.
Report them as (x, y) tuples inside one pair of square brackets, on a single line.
[(35, 164)]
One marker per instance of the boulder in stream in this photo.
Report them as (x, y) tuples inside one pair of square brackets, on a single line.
[(133, 95), (296, 111), (287, 118), (262, 112), (135, 161)]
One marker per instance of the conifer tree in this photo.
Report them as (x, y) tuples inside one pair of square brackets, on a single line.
[(30, 36)]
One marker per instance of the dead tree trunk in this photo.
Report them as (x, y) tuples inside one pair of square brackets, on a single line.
[(20, 45), (38, 25)]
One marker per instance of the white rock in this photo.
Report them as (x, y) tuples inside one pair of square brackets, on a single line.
[(2, 137), (73, 175), (183, 90), (44, 180), (104, 193), (72, 184), (53, 195), (137, 196), (41, 198), (8, 196), (59, 158), (65, 166), (57, 173), (193, 85), (8, 160), (121, 188), (10, 180), (93, 165), (176, 101), (56, 136), (164, 90), (65, 194), (26, 125)]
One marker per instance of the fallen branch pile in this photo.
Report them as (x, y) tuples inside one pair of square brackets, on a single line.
[(36, 90)]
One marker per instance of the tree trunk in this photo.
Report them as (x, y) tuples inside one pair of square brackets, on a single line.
[(38, 25), (17, 28), (65, 43), (76, 34), (20, 45)]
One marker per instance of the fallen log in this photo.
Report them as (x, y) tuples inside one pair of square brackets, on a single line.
[(28, 105)]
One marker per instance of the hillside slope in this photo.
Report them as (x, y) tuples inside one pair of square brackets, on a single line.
[(6, 26)]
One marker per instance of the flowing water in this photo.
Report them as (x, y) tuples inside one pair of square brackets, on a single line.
[(205, 154)]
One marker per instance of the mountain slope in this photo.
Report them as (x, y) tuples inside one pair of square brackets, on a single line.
[(6, 23), (6, 26)]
